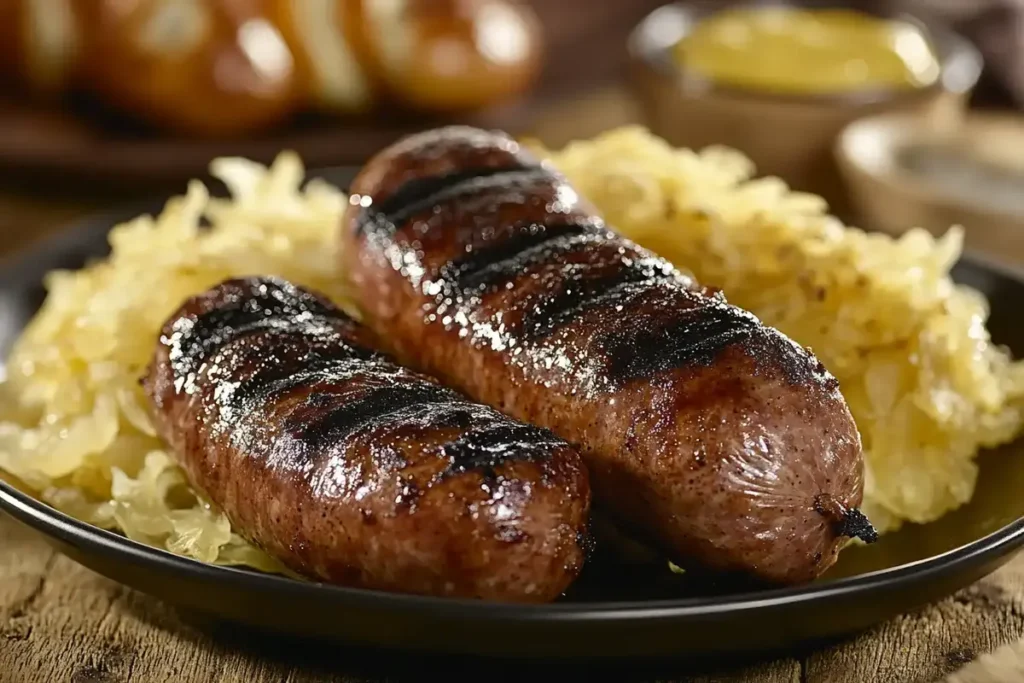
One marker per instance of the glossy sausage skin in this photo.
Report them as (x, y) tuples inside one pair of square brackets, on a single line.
[(353, 470), (706, 433)]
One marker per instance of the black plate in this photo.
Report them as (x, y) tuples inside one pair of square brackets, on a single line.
[(614, 610)]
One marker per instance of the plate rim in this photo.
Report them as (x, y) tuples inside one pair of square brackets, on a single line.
[(54, 524)]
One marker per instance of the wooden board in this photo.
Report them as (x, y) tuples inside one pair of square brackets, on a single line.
[(77, 140)]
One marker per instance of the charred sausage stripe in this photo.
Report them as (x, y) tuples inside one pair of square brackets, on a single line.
[(577, 293), (496, 262), (607, 280), (295, 358), (693, 337), (415, 195), (268, 306), (489, 447), (346, 414), (418, 191), (282, 378), (586, 288), (327, 418)]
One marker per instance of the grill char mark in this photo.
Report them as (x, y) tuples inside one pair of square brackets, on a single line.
[(268, 385), (487, 441), (344, 414), (425, 191), (494, 263), (325, 358), (487, 448), (263, 304), (691, 337), (589, 287)]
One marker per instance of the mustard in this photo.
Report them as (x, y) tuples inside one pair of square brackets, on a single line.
[(805, 52)]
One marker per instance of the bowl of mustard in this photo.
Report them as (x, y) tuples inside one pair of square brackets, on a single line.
[(779, 81)]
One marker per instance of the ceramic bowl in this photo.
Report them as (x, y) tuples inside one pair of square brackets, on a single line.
[(788, 136)]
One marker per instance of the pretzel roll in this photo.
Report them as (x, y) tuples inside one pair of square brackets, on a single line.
[(201, 67), (448, 55), (39, 43), (326, 37)]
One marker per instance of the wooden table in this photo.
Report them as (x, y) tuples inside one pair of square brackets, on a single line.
[(61, 622)]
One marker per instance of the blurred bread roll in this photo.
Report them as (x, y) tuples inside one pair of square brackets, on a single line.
[(324, 36), (230, 67), (447, 55), (438, 55), (39, 43), (201, 67)]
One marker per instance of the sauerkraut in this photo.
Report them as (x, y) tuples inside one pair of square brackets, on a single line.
[(926, 386), (76, 428)]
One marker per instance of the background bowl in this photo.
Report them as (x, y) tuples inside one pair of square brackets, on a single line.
[(785, 135), (887, 195)]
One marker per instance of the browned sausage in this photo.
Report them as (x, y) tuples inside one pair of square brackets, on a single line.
[(714, 437), (354, 470)]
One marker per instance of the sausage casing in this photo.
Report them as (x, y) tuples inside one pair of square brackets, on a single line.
[(351, 469), (708, 434)]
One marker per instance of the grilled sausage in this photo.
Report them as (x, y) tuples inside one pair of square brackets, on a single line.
[(354, 470), (706, 433)]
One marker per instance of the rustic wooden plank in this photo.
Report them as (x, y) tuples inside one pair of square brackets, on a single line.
[(1005, 665), (926, 645), (780, 671), (66, 633), (23, 577)]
